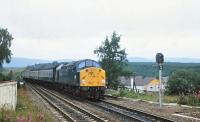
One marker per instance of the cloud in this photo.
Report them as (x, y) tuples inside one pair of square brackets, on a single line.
[(74, 28)]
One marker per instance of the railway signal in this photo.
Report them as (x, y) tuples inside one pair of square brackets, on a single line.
[(160, 61)]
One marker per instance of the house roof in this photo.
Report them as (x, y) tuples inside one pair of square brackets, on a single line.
[(154, 82), (140, 81)]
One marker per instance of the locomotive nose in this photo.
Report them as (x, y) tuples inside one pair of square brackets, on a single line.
[(92, 76)]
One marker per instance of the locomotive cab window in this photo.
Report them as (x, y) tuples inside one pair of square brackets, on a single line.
[(81, 65), (88, 63), (95, 64)]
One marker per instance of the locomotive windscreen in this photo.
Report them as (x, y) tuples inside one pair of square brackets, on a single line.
[(88, 63)]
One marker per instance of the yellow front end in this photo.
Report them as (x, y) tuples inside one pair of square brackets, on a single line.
[(92, 76)]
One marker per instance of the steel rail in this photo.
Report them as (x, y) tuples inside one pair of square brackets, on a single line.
[(140, 112), (66, 115), (122, 114), (93, 116)]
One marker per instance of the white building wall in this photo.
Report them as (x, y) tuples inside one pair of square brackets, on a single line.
[(153, 88), (8, 95), (140, 89)]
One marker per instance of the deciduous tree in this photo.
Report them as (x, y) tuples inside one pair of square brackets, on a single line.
[(5, 43), (112, 58)]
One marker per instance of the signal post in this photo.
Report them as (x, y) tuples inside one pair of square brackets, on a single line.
[(160, 61)]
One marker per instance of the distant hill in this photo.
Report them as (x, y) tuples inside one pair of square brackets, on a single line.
[(179, 60), (140, 59), (150, 69), (183, 60), (23, 62)]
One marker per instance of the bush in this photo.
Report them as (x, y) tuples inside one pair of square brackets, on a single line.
[(188, 100), (1, 77), (6, 77), (122, 93), (183, 82), (6, 115)]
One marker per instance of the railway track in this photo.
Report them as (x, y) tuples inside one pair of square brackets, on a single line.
[(135, 111), (137, 114), (124, 113), (70, 111), (129, 114)]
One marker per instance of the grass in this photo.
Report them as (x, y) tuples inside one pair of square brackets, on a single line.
[(191, 100), (142, 96), (25, 110)]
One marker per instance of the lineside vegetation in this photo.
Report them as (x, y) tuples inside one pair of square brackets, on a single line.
[(25, 111)]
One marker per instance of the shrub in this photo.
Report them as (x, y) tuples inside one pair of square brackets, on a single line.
[(5, 77), (6, 115), (123, 93), (188, 100), (183, 82)]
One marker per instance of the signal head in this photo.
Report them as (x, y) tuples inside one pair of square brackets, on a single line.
[(159, 58)]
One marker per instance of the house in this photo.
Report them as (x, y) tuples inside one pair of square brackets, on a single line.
[(128, 82), (140, 82), (149, 84), (152, 86)]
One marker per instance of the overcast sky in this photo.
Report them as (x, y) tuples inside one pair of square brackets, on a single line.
[(72, 29)]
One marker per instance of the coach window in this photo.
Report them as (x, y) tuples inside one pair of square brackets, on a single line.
[(81, 65), (64, 67)]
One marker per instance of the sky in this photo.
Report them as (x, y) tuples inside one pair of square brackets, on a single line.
[(72, 29)]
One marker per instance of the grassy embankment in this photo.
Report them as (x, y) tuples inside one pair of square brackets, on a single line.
[(25, 111), (184, 100)]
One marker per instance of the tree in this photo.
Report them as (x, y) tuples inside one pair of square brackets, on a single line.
[(183, 82), (112, 59), (10, 75), (5, 43)]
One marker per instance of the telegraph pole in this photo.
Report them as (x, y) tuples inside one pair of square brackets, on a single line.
[(134, 84), (159, 61)]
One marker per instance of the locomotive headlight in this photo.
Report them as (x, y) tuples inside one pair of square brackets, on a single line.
[(83, 82), (103, 81)]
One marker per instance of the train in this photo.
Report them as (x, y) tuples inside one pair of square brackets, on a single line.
[(83, 78)]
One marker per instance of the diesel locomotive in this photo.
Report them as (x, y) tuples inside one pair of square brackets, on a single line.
[(82, 78)]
